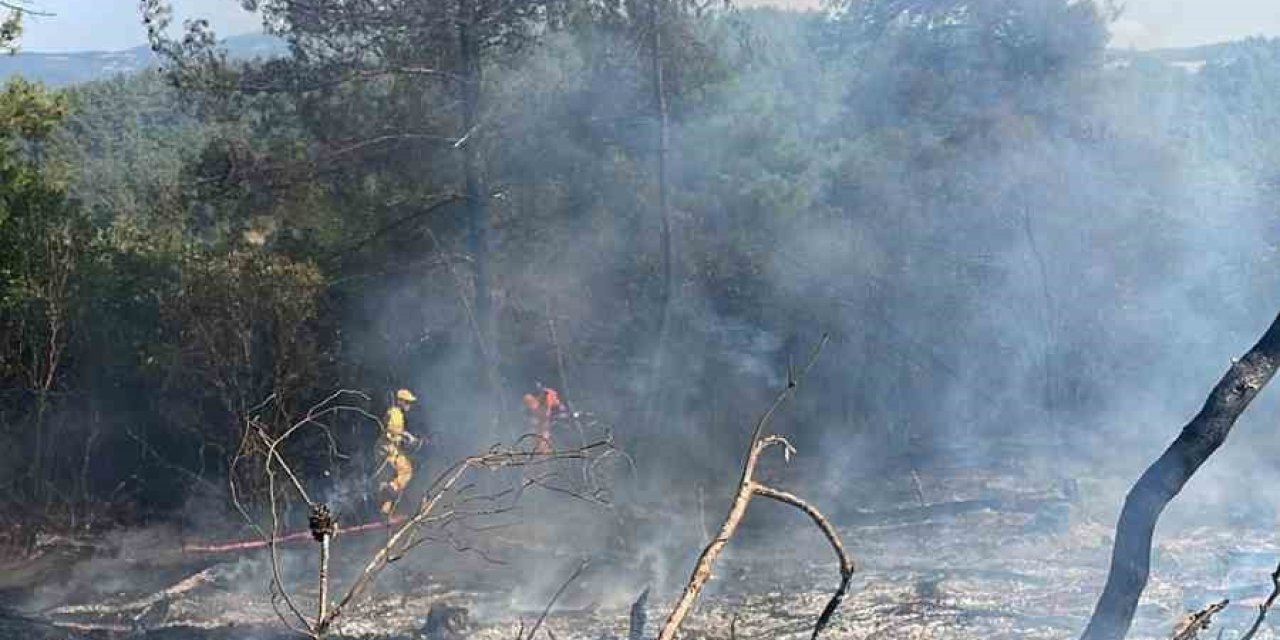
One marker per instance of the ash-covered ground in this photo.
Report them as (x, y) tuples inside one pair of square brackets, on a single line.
[(960, 554)]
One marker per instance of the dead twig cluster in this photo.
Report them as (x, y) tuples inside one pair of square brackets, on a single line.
[(409, 535), (448, 501)]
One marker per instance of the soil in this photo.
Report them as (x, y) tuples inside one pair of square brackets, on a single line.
[(974, 573)]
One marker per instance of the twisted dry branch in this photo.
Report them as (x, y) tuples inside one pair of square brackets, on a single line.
[(748, 488)]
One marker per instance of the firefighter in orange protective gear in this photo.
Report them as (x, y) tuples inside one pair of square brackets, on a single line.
[(544, 407), (390, 447)]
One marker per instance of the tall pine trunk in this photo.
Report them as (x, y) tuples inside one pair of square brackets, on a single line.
[(655, 387), (474, 188)]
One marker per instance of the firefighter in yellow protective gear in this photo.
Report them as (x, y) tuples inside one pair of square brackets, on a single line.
[(390, 447)]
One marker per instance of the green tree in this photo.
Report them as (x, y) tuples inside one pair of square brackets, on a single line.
[(425, 57), (43, 246)]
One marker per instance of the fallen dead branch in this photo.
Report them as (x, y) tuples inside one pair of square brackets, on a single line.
[(1028, 504), (1189, 628), (1265, 606), (1161, 482), (142, 604), (748, 488)]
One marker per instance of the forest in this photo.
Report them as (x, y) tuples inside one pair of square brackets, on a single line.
[(983, 267)]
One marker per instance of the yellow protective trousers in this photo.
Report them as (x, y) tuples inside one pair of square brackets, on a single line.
[(401, 467), (394, 458)]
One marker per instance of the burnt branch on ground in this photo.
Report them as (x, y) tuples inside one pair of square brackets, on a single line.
[(1189, 628), (138, 608)]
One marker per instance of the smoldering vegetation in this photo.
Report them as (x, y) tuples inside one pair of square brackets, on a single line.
[(1033, 256)]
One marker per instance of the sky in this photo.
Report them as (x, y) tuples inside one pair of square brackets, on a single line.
[(110, 25), (113, 24)]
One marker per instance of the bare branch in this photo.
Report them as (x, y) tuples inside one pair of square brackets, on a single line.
[(445, 483), (447, 502), (274, 454), (582, 566), (1265, 606), (792, 383), (277, 572), (748, 487), (257, 85), (847, 566), (24, 9)]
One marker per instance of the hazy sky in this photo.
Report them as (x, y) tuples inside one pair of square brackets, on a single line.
[(113, 24), (110, 25)]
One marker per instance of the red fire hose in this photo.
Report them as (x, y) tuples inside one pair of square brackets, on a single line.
[(258, 543)]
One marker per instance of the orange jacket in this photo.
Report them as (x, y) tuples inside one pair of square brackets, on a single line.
[(547, 406), (552, 401)]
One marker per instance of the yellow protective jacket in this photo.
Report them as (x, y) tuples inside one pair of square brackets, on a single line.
[(393, 436), (394, 430)]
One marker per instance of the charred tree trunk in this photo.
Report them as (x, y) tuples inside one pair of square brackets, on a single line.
[(1131, 557), (473, 188), (664, 215), (664, 143)]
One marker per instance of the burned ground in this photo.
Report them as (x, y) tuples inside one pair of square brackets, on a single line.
[(991, 555)]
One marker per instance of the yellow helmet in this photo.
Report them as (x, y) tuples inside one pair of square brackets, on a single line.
[(406, 395)]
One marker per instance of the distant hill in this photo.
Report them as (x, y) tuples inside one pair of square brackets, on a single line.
[(62, 69), (1195, 58)]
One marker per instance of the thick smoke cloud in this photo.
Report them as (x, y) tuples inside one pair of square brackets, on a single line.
[(1059, 250), (1032, 255)]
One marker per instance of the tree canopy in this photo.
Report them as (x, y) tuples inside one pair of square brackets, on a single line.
[(939, 185)]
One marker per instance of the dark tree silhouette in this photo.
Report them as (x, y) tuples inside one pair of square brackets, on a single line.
[(1131, 557)]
